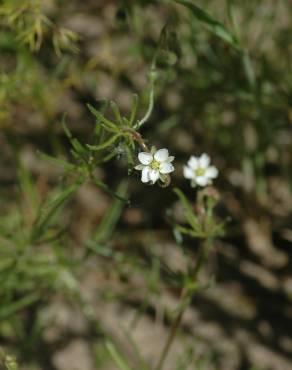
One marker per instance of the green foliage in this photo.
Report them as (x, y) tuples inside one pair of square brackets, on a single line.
[(225, 91), (216, 27), (30, 268), (117, 356), (25, 27), (108, 223), (29, 24), (8, 362), (203, 224)]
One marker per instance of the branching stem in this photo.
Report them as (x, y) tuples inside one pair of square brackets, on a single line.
[(137, 137)]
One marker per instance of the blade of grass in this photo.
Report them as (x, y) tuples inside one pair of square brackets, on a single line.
[(101, 118), (191, 218), (107, 190), (104, 145), (214, 26), (116, 356), (109, 221), (57, 161), (47, 212), (12, 308)]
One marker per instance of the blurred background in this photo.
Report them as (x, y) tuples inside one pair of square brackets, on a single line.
[(104, 273)]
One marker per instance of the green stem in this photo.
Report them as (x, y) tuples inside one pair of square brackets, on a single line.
[(137, 137), (244, 54), (185, 299), (152, 79), (174, 327)]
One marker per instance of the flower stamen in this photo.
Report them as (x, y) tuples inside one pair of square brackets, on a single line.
[(200, 171), (155, 165)]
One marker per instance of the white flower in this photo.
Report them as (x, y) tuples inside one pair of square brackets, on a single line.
[(155, 165), (199, 171)]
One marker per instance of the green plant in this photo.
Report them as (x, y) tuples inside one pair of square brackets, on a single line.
[(211, 87)]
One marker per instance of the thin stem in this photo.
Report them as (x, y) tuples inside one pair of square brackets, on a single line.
[(150, 108), (185, 298), (245, 57), (152, 79), (251, 78), (172, 334), (137, 137)]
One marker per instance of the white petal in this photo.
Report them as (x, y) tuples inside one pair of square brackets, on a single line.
[(193, 162), (204, 160), (161, 155), (145, 158), (211, 172), (166, 168), (139, 167), (188, 172), (153, 175), (170, 159), (202, 180), (145, 174)]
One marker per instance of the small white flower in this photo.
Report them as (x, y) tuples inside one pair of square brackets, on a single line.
[(199, 171), (155, 165)]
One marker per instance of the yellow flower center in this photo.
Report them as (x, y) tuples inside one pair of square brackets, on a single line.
[(200, 171), (155, 165)]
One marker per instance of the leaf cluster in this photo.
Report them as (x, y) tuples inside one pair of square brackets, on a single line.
[(200, 218), (31, 265), (29, 23)]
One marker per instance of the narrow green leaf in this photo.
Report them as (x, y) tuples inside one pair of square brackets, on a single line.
[(110, 219), (117, 113), (126, 122), (11, 308), (249, 71), (104, 145), (129, 154), (142, 365), (27, 186), (49, 210), (109, 129), (116, 356), (57, 161), (191, 217), (106, 189), (65, 127), (216, 27), (79, 148), (101, 118), (189, 232), (135, 102), (100, 249), (107, 158)]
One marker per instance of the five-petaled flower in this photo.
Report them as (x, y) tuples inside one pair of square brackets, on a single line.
[(155, 165), (199, 171)]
